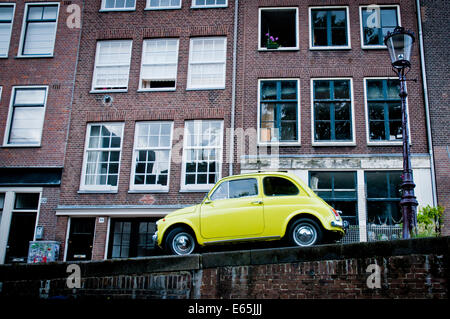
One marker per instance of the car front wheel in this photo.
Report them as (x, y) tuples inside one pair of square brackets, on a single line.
[(180, 242), (304, 233)]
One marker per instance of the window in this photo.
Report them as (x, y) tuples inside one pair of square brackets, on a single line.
[(339, 190), (278, 28), (376, 22), (2, 204), (112, 65), (152, 146), (236, 189), (6, 21), (163, 4), (159, 64), (26, 116), (39, 29), (332, 110), (118, 5), (384, 110), (207, 58), (279, 111), (279, 186), (102, 156), (202, 154), (132, 238), (209, 3), (329, 28), (383, 198)]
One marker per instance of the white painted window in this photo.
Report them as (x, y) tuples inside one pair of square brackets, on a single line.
[(207, 61), (152, 153), (278, 29), (202, 157), (329, 28), (163, 4), (39, 29), (209, 3), (26, 116), (6, 22), (102, 157), (159, 64), (118, 5), (376, 22), (112, 65)]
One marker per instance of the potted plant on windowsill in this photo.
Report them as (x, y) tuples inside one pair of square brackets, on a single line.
[(272, 42)]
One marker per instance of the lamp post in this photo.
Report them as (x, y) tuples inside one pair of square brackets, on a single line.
[(399, 44)]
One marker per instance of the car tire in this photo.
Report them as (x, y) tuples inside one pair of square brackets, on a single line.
[(305, 232), (180, 242)]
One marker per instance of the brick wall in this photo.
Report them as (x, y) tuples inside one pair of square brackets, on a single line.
[(408, 269)]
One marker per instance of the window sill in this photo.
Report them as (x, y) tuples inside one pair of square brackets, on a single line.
[(144, 191), (205, 89), (329, 48), (209, 7), (89, 191), (279, 144), (279, 49), (117, 10), (164, 8), (333, 143), (195, 190), (109, 91), (157, 90), (20, 145), (386, 143), (34, 56), (374, 47)]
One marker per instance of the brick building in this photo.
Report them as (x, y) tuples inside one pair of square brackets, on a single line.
[(38, 53), (435, 25)]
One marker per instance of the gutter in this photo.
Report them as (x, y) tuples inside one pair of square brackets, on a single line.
[(233, 89), (426, 101)]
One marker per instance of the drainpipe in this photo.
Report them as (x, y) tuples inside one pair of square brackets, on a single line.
[(427, 106), (233, 87)]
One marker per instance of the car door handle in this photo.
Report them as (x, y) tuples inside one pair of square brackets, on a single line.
[(257, 202)]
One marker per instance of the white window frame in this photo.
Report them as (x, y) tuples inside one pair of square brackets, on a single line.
[(100, 188), (361, 28), (24, 29), (104, 9), (148, 7), (153, 187), (258, 130), (1, 91), (352, 109), (96, 66), (219, 155), (297, 46), (11, 113), (206, 87), (349, 44), (11, 27), (366, 109), (208, 6), (142, 66)]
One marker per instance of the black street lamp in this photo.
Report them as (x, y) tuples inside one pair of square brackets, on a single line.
[(399, 43)]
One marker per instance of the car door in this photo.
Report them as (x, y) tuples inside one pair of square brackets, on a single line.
[(234, 210)]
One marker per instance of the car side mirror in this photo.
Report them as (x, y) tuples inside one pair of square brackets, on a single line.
[(207, 201)]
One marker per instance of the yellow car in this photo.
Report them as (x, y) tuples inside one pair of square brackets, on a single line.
[(248, 207)]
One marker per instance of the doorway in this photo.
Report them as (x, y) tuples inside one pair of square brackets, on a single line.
[(81, 239)]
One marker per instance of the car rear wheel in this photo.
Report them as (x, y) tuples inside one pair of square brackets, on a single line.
[(305, 232), (180, 242)]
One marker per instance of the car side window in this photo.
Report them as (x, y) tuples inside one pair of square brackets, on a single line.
[(221, 192), (278, 186), (243, 188)]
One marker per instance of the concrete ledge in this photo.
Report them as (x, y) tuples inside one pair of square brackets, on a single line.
[(159, 264)]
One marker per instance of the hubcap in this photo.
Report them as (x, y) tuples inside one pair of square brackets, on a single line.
[(183, 244), (305, 235)]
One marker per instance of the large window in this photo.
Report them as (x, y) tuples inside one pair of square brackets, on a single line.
[(329, 28), (207, 58), (39, 29), (26, 116), (152, 146), (383, 198), (112, 65), (278, 28), (209, 3), (376, 22), (384, 110), (339, 190), (6, 21), (236, 189), (131, 238), (278, 111), (202, 154), (332, 110), (159, 64), (118, 5), (163, 4), (102, 157)]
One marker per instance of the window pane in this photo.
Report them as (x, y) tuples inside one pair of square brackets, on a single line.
[(338, 18), (341, 89), (278, 28), (344, 180), (269, 90), (243, 187), (26, 126), (322, 90), (389, 17), (278, 186), (39, 38), (289, 131), (288, 90), (342, 130), (374, 89), (321, 180), (383, 213), (377, 186), (322, 130), (288, 111), (27, 201), (376, 111), (342, 111)]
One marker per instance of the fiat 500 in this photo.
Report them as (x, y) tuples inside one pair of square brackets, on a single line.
[(251, 207)]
